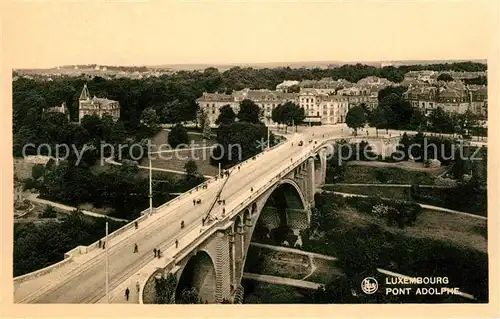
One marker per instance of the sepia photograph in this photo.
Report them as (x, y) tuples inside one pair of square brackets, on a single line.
[(250, 153)]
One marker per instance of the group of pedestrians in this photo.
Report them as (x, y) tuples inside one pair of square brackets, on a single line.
[(157, 252), (127, 291)]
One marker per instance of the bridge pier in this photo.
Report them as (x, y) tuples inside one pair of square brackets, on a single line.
[(232, 248), (322, 158), (310, 182), (223, 267)]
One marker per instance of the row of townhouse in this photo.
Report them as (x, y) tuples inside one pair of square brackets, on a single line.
[(318, 106), (330, 86), (472, 98), (432, 76)]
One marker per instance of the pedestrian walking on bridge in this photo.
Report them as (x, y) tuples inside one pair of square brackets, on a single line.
[(127, 293), (159, 253), (100, 243), (176, 243), (136, 248), (136, 225), (194, 202), (154, 251)]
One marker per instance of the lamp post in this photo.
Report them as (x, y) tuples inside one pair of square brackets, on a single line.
[(268, 134), (150, 186), (107, 263)]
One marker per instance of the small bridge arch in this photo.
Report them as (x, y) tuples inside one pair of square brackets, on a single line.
[(198, 272)]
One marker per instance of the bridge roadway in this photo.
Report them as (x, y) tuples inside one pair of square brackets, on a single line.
[(84, 282)]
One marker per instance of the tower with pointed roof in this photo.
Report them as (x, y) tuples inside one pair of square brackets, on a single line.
[(85, 95)]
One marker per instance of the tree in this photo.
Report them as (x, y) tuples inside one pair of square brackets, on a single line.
[(365, 109), (379, 117), (277, 114), (355, 118), (466, 121), (440, 121), (191, 168), (288, 113), (165, 289), (249, 112), (189, 296), (178, 135), (293, 89), (292, 113), (445, 77), (93, 124), (37, 171), (201, 117), (48, 212), (226, 115), (239, 141), (150, 119), (171, 112), (418, 120), (399, 112), (396, 90), (207, 131)]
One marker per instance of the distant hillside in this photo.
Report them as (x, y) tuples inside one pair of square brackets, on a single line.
[(223, 67), (305, 64)]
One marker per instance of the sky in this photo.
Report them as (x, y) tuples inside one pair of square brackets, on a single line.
[(110, 32)]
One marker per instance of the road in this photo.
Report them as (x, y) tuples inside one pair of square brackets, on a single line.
[(86, 283), (282, 281)]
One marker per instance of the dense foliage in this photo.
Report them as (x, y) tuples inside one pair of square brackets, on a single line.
[(344, 152), (39, 245), (249, 112), (355, 118), (395, 112), (396, 213), (120, 188), (482, 80), (240, 141), (178, 135), (288, 114), (165, 289), (363, 248), (226, 115), (173, 96)]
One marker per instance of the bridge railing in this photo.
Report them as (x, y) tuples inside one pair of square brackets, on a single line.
[(207, 182), (43, 271), (258, 192)]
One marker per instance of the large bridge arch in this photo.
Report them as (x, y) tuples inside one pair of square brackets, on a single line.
[(257, 215), (198, 272)]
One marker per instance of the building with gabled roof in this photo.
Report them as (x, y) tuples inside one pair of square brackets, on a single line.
[(451, 97), (96, 106), (59, 109)]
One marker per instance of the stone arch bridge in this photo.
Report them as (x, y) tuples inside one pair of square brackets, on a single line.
[(212, 255)]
